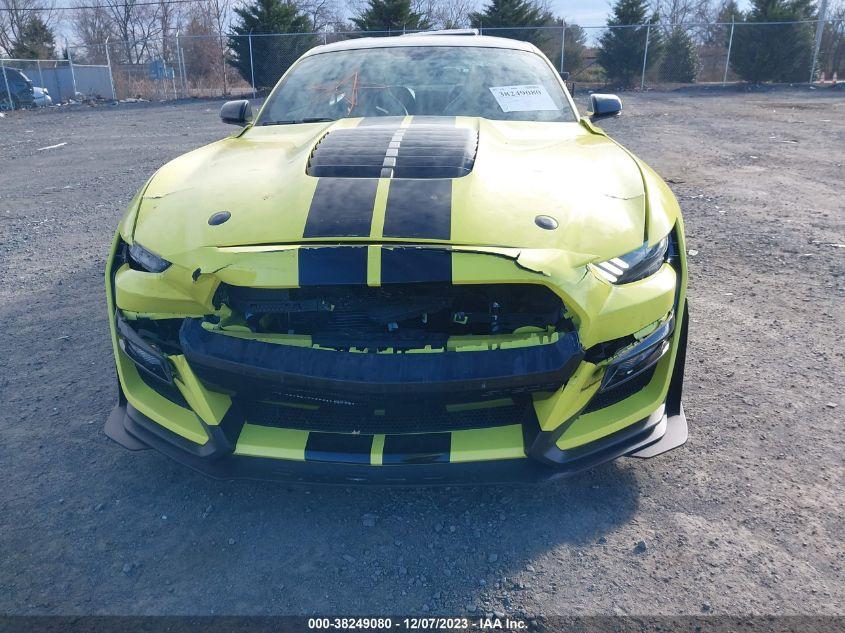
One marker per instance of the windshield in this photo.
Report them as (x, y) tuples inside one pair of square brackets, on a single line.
[(495, 83)]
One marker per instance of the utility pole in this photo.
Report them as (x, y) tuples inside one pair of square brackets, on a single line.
[(819, 30)]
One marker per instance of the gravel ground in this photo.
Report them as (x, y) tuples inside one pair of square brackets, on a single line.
[(745, 519)]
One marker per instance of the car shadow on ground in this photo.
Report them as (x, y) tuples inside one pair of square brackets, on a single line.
[(425, 547), (123, 532)]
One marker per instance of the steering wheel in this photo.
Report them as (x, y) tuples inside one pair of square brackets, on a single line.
[(378, 102)]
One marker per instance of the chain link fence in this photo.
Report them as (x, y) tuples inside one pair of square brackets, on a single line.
[(645, 56)]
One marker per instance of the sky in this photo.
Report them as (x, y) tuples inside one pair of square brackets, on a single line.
[(592, 12), (583, 12)]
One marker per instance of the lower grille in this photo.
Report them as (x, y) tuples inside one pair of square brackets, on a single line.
[(365, 420), (625, 390)]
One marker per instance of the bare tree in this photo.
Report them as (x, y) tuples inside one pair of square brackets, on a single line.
[(91, 26), (324, 14), (451, 14), (675, 12), (16, 16), (204, 47), (168, 18), (135, 25)]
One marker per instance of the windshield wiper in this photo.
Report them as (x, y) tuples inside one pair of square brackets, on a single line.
[(295, 121)]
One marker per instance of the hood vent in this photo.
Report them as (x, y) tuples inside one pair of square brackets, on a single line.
[(390, 151)]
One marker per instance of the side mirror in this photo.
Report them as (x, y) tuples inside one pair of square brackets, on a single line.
[(236, 112), (565, 75), (604, 106)]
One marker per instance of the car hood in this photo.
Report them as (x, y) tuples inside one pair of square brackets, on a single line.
[(590, 186)]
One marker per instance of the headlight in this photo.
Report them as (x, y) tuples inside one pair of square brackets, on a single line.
[(635, 265), (147, 260), (634, 360), (143, 354)]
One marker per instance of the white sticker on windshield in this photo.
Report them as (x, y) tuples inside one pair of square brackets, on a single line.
[(523, 98)]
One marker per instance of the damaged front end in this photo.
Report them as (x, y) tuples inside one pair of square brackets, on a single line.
[(389, 363)]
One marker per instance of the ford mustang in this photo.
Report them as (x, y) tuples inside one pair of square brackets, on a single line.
[(417, 263)]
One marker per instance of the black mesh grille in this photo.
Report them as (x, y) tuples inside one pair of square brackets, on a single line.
[(352, 419), (625, 390)]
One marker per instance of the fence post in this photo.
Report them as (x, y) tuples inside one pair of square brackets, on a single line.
[(645, 56), (182, 66), (728, 59), (251, 65), (819, 31), (562, 44), (179, 65), (6, 81), (40, 74), (72, 73), (223, 64), (111, 78)]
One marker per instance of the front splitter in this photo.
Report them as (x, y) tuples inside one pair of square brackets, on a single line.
[(649, 438)]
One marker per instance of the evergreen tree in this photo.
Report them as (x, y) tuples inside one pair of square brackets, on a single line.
[(36, 41), (729, 12), (680, 62), (774, 52), (390, 15), (272, 54), (510, 18), (574, 43), (621, 50)]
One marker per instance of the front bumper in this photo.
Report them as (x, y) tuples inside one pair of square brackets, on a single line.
[(426, 461), (203, 419)]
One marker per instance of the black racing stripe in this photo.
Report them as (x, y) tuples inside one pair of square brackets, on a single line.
[(342, 207), (419, 209), (400, 265), (338, 447), (427, 448), (333, 265)]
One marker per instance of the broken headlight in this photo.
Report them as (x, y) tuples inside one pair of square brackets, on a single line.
[(639, 357), (147, 260), (633, 266), (146, 356)]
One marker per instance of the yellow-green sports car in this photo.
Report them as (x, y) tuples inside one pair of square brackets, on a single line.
[(416, 264)]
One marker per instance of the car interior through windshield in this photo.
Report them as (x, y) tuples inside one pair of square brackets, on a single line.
[(493, 83)]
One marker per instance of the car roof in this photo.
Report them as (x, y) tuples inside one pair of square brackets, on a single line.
[(436, 38)]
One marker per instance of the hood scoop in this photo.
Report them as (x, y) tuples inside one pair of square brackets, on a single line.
[(388, 151)]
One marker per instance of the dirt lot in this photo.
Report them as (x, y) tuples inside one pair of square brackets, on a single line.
[(746, 519)]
